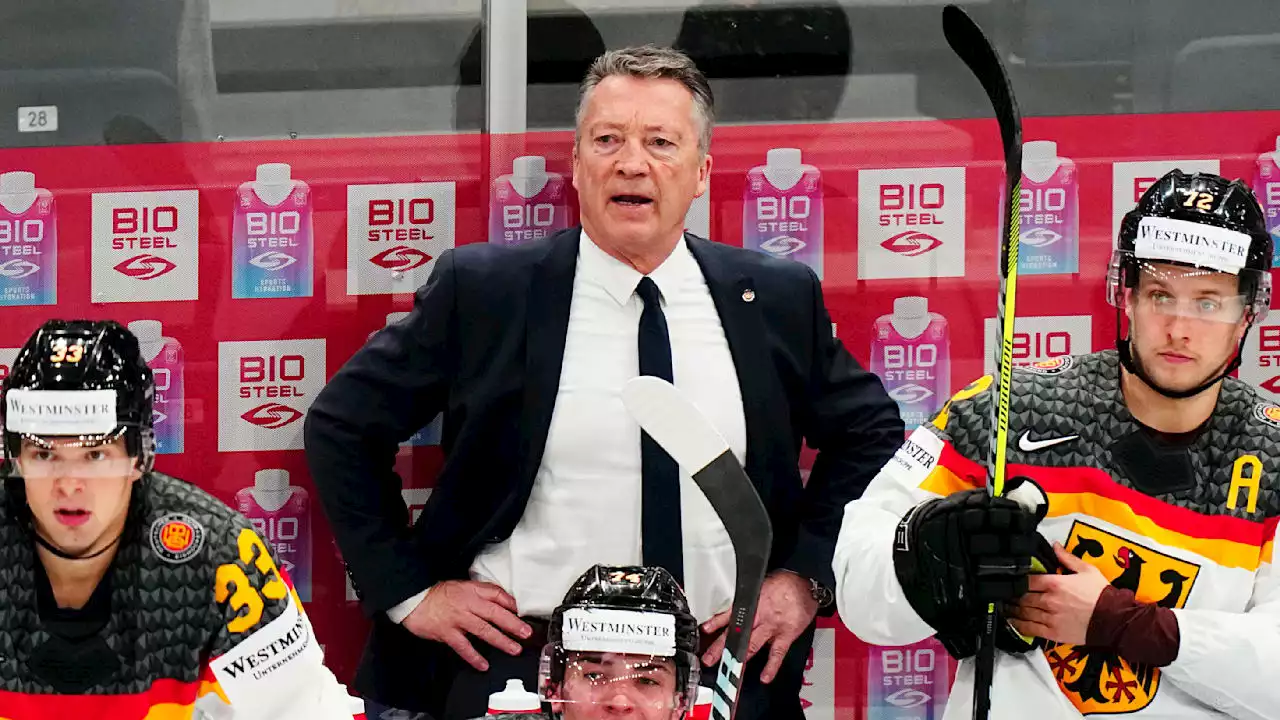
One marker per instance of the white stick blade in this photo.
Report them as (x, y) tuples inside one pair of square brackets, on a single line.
[(673, 422)]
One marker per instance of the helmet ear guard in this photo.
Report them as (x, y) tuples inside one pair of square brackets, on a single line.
[(143, 447), (1261, 296), (551, 666), (1121, 275)]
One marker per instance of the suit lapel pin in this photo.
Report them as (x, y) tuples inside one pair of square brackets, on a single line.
[(748, 295)]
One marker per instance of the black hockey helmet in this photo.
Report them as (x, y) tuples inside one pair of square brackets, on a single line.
[(83, 356), (629, 610), (642, 589), (1200, 221), (1201, 199)]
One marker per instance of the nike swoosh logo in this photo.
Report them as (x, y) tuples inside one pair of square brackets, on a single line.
[(1026, 444)]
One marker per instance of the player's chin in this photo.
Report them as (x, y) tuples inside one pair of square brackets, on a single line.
[(70, 544), (635, 233), (1182, 379)]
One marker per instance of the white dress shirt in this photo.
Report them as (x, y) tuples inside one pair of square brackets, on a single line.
[(585, 504)]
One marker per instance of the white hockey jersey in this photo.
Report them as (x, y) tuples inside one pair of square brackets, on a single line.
[(1204, 550)]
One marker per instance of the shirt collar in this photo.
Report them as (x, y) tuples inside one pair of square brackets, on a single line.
[(620, 280)]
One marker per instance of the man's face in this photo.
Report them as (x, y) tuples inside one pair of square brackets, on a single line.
[(1184, 324), (636, 163), (78, 495), (609, 685)]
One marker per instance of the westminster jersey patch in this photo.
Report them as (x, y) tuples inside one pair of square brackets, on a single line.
[(916, 457)]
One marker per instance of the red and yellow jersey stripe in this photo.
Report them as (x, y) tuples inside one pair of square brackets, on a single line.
[(1225, 540), (165, 700)]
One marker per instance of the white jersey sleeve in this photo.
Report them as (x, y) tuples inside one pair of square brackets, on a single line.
[(868, 596), (1228, 660), (870, 599)]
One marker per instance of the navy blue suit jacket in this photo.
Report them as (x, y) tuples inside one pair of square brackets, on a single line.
[(484, 344)]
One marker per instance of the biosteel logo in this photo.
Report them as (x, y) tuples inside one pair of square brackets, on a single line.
[(272, 260), (782, 245), (1260, 361), (145, 267), (395, 233), (145, 246), (910, 393), (264, 388), (400, 258), (911, 223), (1038, 338), (272, 415), (18, 269), (908, 698), (911, 243), (1040, 237)]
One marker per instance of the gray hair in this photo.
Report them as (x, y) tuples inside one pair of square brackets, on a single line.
[(654, 63)]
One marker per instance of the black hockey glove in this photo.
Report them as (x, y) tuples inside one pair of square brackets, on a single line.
[(955, 555)]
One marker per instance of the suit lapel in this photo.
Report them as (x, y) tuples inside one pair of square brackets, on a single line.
[(733, 293), (547, 324)]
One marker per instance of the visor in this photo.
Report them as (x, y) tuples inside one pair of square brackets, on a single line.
[(583, 684), (1171, 289), (618, 661), (51, 458)]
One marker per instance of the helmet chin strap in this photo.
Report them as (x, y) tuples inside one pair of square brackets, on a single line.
[(68, 556), (1135, 368)]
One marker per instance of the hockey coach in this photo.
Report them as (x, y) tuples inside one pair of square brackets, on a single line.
[(525, 350)]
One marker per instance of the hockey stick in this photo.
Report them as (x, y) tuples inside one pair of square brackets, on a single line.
[(689, 437), (967, 40)]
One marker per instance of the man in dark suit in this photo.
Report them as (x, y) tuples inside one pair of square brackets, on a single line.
[(525, 350)]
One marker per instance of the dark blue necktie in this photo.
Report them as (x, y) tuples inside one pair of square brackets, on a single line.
[(660, 529)]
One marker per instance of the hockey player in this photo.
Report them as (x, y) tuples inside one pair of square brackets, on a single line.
[(1152, 474), (125, 593), (622, 644)]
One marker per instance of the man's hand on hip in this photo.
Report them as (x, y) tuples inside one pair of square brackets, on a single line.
[(785, 610), (457, 608)]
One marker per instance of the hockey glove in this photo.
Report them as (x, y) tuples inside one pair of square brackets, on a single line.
[(955, 555)]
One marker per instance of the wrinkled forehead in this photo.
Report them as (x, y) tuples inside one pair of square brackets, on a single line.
[(642, 103), (1184, 279)]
